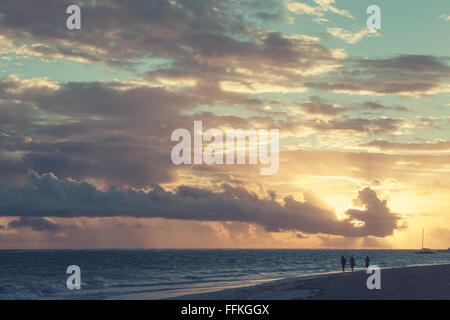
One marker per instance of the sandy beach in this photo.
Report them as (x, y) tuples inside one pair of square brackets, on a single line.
[(410, 283)]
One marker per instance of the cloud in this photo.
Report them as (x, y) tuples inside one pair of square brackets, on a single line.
[(271, 63), (34, 223), (439, 145), (405, 75), (127, 232), (317, 106), (323, 6), (118, 132), (336, 242), (6, 45), (375, 106), (205, 43), (47, 52), (46, 195), (372, 166), (90, 130), (376, 216), (365, 126), (161, 27), (442, 234), (351, 38)]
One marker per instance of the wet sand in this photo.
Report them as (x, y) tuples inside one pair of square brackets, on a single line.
[(408, 283)]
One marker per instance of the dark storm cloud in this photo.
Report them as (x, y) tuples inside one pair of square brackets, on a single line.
[(90, 99), (34, 223), (124, 164), (376, 215), (46, 195), (89, 130), (409, 75)]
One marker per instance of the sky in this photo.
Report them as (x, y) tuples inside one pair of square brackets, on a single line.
[(87, 115)]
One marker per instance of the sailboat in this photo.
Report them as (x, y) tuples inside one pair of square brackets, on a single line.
[(424, 250)]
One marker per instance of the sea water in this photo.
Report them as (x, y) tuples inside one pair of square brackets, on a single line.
[(159, 274)]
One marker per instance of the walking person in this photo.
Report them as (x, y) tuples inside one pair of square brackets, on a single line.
[(367, 261), (352, 262), (343, 263)]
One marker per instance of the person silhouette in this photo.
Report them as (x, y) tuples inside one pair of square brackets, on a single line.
[(367, 261), (352, 262), (343, 263)]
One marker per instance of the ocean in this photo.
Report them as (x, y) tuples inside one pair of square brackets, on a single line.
[(160, 274)]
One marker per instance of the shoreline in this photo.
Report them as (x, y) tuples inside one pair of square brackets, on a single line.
[(397, 283)]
